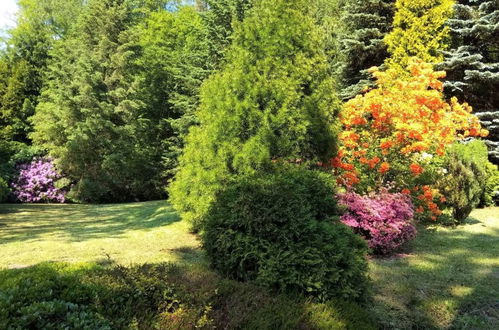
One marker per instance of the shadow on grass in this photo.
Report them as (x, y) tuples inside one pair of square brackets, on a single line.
[(23, 222), (451, 280)]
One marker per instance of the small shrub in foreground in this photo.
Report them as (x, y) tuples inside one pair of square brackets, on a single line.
[(282, 231), (383, 219), (161, 296)]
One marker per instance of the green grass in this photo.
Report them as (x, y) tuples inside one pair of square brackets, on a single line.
[(446, 278), (123, 233)]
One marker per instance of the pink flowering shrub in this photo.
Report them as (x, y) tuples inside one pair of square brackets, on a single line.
[(383, 219), (36, 182)]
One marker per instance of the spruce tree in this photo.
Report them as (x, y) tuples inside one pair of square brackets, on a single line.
[(175, 58), (366, 23), (24, 61), (273, 100), (472, 64), (419, 30)]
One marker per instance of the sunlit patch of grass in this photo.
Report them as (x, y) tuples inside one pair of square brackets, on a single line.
[(122, 233), (450, 279)]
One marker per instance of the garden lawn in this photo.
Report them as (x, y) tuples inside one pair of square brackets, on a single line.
[(446, 278), (449, 278), (132, 233)]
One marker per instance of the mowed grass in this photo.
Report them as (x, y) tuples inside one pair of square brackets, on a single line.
[(134, 233), (446, 278)]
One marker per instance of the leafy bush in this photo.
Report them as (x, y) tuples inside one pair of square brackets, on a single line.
[(36, 182), (469, 179), (282, 230), (383, 219), (382, 145), (61, 296)]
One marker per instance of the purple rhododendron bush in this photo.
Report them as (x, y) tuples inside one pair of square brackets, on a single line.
[(384, 219), (36, 182)]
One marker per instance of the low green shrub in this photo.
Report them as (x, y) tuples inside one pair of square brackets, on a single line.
[(469, 180), (282, 230), (62, 296)]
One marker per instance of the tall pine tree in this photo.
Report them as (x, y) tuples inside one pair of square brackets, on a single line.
[(273, 100), (472, 64)]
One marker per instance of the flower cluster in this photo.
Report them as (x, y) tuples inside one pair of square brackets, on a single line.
[(36, 182), (383, 219), (390, 133)]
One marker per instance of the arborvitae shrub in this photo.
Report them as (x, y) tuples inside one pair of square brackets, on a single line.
[(468, 180), (282, 230), (274, 100)]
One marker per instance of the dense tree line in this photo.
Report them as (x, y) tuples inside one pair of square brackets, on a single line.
[(109, 89)]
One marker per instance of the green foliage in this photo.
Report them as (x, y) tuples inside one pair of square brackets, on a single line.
[(273, 100), (468, 180), (61, 296), (83, 296), (175, 58), (472, 63), (4, 190), (221, 17), (366, 23), (419, 30), (24, 61), (90, 118), (282, 231)]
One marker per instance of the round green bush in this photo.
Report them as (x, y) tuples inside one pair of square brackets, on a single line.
[(282, 230)]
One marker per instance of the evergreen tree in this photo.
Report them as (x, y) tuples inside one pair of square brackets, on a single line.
[(272, 101), (419, 30), (366, 23), (175, 58), (221, 16), (472, 64), (89, 118), (24, 62)]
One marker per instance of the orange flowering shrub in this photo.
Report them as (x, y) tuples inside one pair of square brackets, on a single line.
[(392, 132)]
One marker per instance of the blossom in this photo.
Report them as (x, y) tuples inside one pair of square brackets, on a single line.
[(36, 182), (416, 169), (383, 219), (384, 167)]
